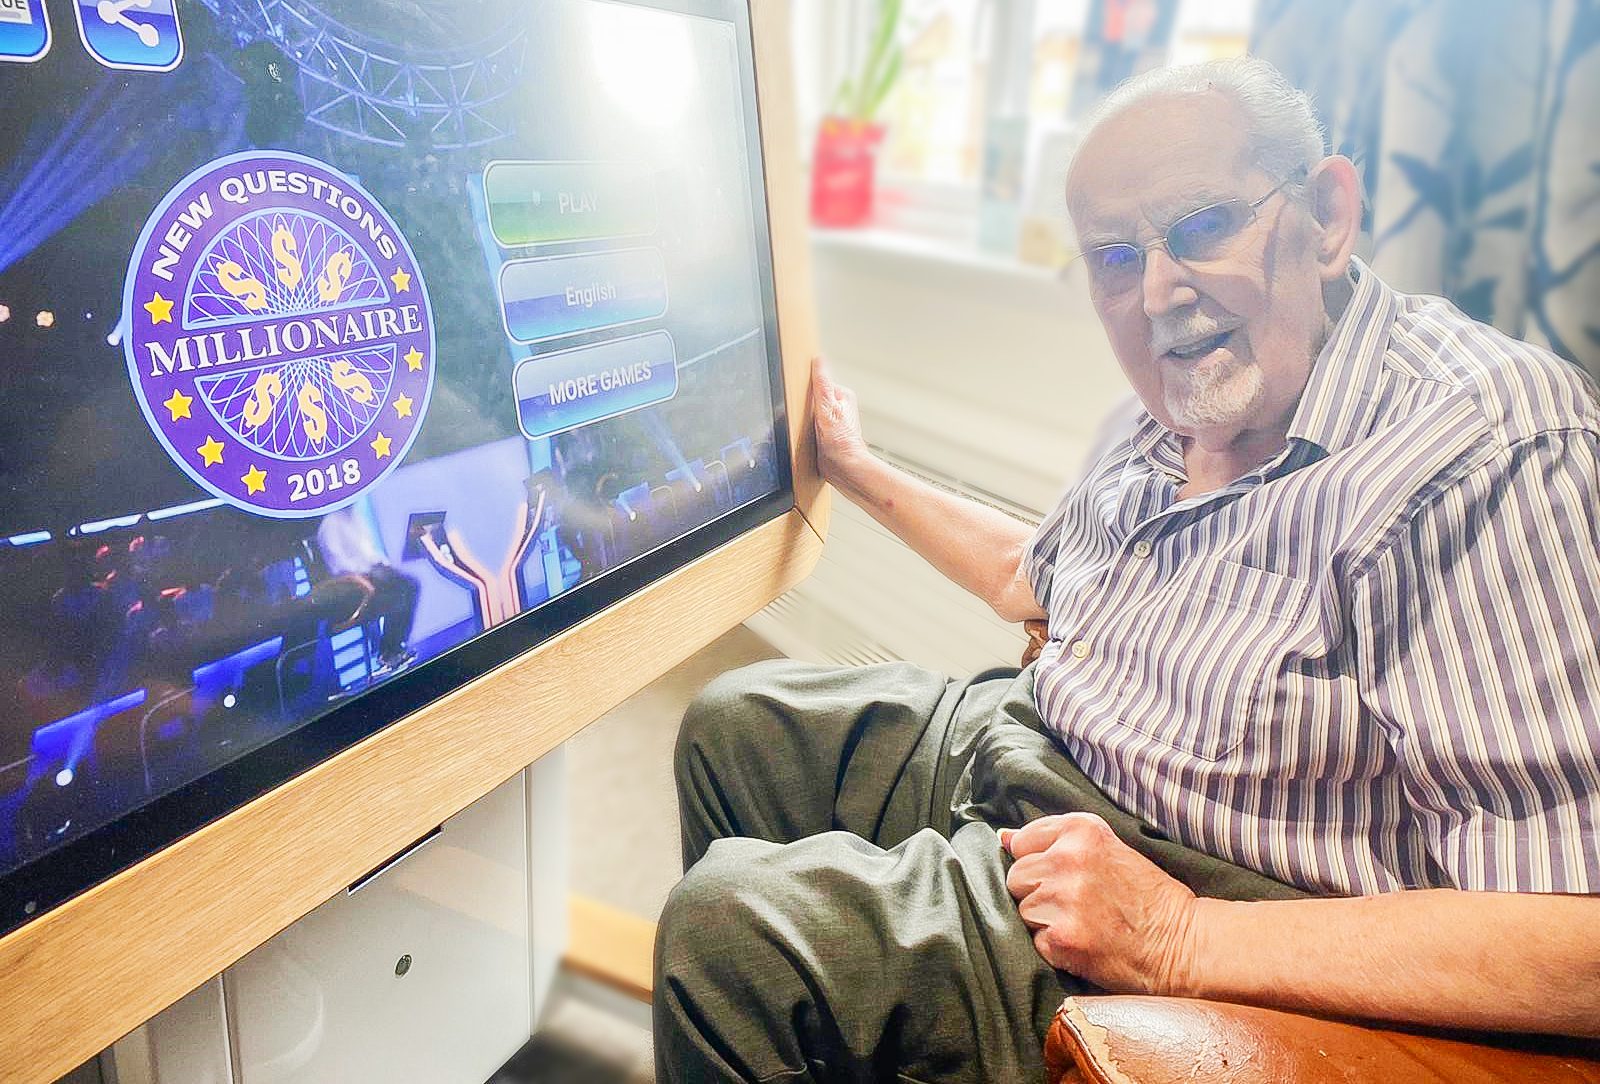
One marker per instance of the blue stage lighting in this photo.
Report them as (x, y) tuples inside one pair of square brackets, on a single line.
[(60, 172)]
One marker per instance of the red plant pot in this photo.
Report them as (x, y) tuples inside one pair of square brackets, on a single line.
[(842, 170)]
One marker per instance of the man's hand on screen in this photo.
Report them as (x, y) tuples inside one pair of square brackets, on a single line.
[(840, 444)]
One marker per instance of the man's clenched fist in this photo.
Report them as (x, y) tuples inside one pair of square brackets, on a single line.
[(1098, 908)]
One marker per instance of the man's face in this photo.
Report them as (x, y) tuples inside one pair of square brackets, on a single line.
[(1218, 348)]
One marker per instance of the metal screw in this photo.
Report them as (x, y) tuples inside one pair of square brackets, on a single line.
[(402, 965)]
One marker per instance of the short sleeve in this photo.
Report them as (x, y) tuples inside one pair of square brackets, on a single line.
[(1039, 557), (1479, 652)]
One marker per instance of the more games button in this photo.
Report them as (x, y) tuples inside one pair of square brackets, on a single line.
[(564, 390)]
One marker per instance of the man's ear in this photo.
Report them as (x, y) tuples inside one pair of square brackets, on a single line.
[(1334, 191)]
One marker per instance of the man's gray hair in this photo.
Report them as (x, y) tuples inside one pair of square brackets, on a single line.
[(1285, 135)]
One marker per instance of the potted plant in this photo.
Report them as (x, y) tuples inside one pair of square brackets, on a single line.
[(844, 162)]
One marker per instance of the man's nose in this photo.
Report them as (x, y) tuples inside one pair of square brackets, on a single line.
[(1165, 284)]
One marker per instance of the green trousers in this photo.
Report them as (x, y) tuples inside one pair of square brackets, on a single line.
[(843, 913)]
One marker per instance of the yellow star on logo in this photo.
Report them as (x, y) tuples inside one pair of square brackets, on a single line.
[(401, 280), (413, 359), (255, 479), (160, 309), (402, 406), (211, 451), (178, 404), (380, 446)]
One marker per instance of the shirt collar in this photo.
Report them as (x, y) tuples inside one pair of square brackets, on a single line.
[(1159, 446), (1336, 407)]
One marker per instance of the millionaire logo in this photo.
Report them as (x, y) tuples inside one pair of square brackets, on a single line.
[(279, 338)]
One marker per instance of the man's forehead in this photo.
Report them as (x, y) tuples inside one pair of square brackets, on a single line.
[(1156, 160)]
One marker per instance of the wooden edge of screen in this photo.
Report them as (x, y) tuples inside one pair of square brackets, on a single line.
[(791, 248), (84, 974)]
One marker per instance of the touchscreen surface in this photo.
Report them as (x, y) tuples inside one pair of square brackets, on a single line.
[(336, 340)]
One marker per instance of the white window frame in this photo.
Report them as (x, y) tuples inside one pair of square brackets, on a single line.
[(834, 33)]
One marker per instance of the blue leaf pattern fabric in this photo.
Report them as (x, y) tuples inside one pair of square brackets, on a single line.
[(1476, 128)]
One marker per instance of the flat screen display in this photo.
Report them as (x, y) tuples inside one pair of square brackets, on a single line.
[(347, 349)]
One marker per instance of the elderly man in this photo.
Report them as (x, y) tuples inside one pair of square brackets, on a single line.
[(1318, 722)]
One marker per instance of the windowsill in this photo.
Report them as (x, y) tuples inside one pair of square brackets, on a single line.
[(914, 261), (899, 245)]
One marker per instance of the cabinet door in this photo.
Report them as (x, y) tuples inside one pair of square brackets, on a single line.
[(420, 974)]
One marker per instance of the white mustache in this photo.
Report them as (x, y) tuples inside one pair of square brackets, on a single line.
[(1177, 329)]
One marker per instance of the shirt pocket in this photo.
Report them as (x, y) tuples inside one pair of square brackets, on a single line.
[(1211, 644)]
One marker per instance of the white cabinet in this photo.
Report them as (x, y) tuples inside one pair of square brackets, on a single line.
[(423, 973), (420, 975)]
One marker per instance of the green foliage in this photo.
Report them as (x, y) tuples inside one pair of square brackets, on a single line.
[(861, 95)]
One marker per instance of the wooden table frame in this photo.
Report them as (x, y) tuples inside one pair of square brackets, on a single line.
[(84, 974)]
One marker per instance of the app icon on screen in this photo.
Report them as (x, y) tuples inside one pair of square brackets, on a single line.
[(137, 35), (24, 30)]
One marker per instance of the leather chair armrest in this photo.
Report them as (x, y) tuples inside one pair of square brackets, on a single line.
[(1124, 1039), (1038, 633)]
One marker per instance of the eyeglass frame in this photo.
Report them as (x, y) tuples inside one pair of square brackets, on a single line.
[(1164, 240)]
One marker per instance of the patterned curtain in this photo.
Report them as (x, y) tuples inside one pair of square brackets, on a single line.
[(1476, 126)]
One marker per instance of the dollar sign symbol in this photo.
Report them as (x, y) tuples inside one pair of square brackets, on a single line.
[(331, 282), (313, 418), (258, 408), (350, 381), (233, 279), (283, 252)]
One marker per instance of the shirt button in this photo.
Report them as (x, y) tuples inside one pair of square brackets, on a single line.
[(1142, 548), (1080, 648)]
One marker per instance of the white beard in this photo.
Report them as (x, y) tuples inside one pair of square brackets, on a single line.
[(1214, 397)]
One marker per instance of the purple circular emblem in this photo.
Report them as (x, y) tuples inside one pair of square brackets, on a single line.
[(278, 333)]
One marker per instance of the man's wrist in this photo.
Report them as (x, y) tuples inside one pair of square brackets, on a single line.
[(855, 475), (1200, 948)]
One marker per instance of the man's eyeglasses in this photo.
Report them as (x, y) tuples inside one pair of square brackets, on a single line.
[(1198, 236)]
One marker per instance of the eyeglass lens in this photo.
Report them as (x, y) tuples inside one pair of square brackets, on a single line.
[(1198, 235)]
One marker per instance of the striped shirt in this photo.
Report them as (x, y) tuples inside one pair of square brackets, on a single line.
[(1374, 662)]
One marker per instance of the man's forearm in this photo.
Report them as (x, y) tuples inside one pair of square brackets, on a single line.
[(1492, 960), (978, 547)]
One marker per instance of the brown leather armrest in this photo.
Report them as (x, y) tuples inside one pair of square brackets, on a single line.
[(1151, 1040), (1038, 633)]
